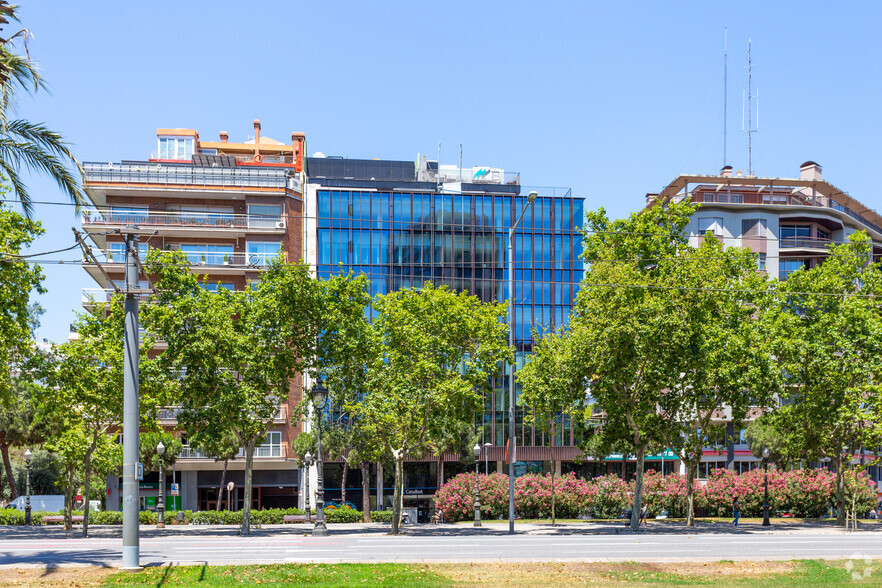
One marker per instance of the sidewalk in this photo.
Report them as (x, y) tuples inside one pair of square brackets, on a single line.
[(445, 530)]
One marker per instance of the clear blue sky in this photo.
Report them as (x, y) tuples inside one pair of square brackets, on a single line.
[(613, 99)]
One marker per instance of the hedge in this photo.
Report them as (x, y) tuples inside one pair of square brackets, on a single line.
[(273, 516)]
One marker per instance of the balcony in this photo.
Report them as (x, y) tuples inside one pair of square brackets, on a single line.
[(140, 174), (101, 295), (806, 243), (183, 222), (260, 452)]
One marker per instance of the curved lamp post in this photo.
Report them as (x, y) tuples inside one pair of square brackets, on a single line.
[(160, 507), (766, 522), (477, 450), (307, 461), (28, 455), (319, 397), (511, 399)]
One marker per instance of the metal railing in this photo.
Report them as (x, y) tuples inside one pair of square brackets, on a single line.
[(265, 158), (806, 242), (183, 219), (261, 451), (210, 259), (163, 174), (93, 295), (790, 200)]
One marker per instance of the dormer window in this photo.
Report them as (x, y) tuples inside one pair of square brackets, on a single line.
[(176, 148)]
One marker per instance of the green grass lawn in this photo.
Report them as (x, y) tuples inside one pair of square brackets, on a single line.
[(773, 574), (282, 575)]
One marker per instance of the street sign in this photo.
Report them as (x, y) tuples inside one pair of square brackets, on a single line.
[(139, 471), (175, 490)]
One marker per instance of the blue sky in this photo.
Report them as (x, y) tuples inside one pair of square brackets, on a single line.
[(613, 99)]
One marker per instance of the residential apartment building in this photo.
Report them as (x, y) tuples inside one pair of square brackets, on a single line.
[(230, 207), (403, 224), (789, 223)]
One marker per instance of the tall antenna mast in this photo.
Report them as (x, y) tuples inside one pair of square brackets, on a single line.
[(750, 129), (725, 80)]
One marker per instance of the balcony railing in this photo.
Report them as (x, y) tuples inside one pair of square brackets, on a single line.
[(266, 158), (261, 451), (183, 219), (778, 199), (93, 295), (805, 243), (163, 174), (209, 259)]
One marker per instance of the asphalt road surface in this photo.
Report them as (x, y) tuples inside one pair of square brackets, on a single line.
[(41, 547)]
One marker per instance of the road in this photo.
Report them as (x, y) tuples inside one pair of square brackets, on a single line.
[(453, 544)]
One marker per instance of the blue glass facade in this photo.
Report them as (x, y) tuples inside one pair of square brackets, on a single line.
[(404, 235)]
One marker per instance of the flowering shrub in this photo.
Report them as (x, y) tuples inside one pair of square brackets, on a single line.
[(665, 493), (801, 493)]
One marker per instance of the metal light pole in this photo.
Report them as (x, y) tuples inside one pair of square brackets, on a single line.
[(160, 506), (319, 396), (131, 491), (230, 487), (477, 450), (28, 455), (307, 461), (487, 447), (511, 399), (766, 522)]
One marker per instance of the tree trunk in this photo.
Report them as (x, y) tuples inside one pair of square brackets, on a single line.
[(365, 467), (840, 492), (87, 488), (690, 494), (220, 490), (7, 465), (638, 490), (397, 500), (553, 469), (343, 482), (69, 493), (246, 510)]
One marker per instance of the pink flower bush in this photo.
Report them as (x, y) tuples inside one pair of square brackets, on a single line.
[(802, 493)]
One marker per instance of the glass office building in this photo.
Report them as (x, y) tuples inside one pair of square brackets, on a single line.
[(404, 224)]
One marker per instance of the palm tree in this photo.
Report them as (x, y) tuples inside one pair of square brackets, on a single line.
[(23, 143)]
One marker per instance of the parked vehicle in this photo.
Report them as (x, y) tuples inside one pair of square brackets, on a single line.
[(46, 502)]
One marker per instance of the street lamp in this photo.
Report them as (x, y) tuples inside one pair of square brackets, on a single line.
[(319, 397), (487, 447), (531, 197), (477, 450), (766, 522), (28, 455), (307, 461), (160, 450), (230, 486)]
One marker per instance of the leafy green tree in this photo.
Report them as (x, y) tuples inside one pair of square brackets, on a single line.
[(761, 434), (552, 391), (628, 332), (829, 345), (223, 446), (45, 472), (17, 279), (21, 424), (23, 143), (236, 351), (729, 366), (436, 350), (84, 396)]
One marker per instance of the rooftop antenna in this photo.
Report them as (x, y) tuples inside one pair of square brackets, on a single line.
[(750, 128), (725, 81)]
